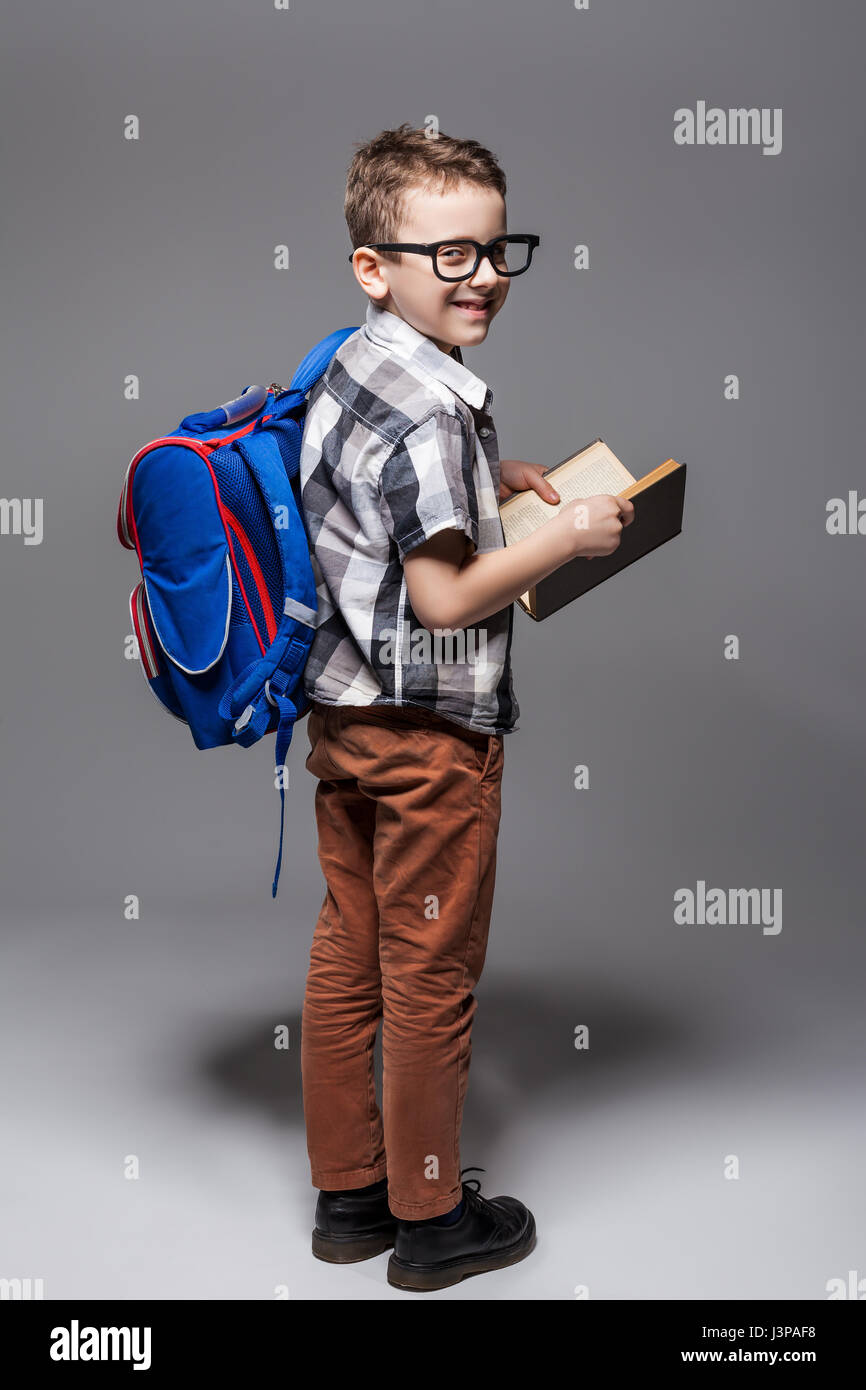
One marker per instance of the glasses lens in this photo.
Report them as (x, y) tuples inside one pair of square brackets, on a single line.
[(510, 255), (457, 259)]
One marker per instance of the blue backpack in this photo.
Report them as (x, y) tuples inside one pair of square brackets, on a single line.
[(225, 611)]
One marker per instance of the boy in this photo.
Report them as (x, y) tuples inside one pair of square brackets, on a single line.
[(401, 481)]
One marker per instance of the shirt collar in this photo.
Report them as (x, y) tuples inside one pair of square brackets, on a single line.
[(401, 338)]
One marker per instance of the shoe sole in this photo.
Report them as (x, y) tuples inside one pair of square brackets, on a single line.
[(403, 1274), (347, 1250)]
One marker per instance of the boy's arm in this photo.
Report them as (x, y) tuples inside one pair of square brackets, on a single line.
[(450, 589), (429, 507)]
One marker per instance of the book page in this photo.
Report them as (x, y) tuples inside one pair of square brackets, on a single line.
[(595, 471)]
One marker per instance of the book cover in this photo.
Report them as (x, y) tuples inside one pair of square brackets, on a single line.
[(658, 498)]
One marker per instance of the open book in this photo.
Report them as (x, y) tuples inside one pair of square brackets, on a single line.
[(658, 517)]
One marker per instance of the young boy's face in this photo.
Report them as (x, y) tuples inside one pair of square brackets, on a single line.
[(413, 291)]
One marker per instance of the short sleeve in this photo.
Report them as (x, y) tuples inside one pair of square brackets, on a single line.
[(427, 483)]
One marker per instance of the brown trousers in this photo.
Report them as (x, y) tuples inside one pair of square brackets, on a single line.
[(407, 809)]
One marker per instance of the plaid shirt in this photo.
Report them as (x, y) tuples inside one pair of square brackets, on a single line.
[(398, 445)]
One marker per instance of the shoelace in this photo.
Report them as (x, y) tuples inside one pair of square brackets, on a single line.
[(474, 1183)]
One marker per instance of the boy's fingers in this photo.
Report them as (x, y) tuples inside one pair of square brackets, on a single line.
[(543, 488)]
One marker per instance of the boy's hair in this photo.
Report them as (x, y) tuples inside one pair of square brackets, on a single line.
[(383, 170)]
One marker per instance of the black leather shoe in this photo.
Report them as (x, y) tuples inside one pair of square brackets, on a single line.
[(353, 1226), (489, 1235)]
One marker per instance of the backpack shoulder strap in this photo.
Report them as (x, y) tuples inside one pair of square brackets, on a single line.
[(317, 359)]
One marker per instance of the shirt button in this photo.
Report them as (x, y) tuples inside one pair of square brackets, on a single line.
[(484, 431)]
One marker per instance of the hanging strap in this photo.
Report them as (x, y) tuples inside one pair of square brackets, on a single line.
[(262, 687), (276, 692)]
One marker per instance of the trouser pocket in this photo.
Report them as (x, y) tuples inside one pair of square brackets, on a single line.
[(488, 757)]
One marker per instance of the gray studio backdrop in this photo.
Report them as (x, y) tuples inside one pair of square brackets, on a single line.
[(708, 1141)]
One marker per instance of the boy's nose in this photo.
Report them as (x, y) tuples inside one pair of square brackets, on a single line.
[(485, 277)]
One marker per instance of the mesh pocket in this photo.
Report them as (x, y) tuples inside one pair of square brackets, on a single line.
[(243, 498)]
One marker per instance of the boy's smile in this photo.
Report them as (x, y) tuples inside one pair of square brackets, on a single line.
[(450, 313)]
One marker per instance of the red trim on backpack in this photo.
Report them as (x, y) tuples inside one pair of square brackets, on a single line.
[(258, 576), (144, 632), (125, 519), (228, 438)]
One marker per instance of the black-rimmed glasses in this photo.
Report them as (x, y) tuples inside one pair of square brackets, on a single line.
[(459, 258)]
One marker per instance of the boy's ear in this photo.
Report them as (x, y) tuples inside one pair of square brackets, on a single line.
[(368, 272)]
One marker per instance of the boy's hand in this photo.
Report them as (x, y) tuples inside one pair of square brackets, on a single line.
[(593, 526), (517, 476)]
